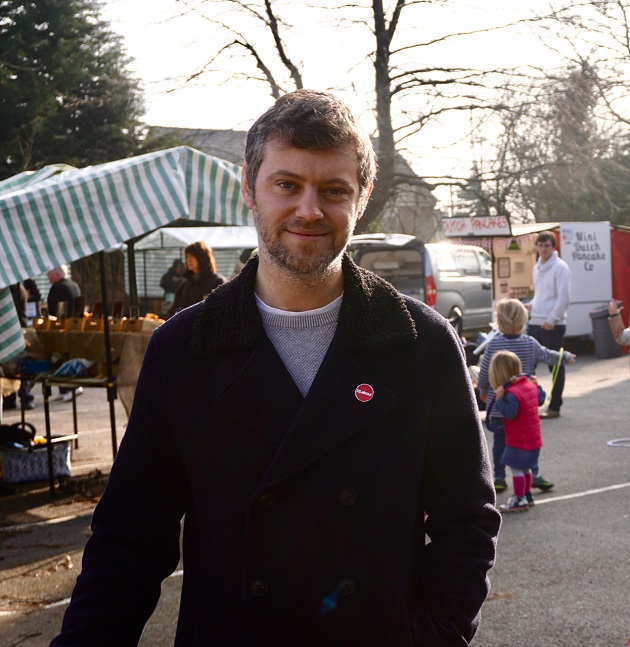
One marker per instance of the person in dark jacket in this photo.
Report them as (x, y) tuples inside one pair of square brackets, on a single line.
[(171, 280), (199, 280), (311, 426), (62, 289), (34, 294), (34, 297)]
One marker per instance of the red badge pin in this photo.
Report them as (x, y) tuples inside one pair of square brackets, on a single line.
[(364, 393)]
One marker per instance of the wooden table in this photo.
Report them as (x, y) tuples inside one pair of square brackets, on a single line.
[(127, 348)]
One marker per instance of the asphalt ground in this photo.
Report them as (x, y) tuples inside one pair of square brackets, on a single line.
[(562, 577)]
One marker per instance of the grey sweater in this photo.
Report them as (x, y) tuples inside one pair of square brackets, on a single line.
[(301, 338)]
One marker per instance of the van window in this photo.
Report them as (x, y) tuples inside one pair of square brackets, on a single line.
[(445, 262), (486, 264), (468, 262), (403, 268)]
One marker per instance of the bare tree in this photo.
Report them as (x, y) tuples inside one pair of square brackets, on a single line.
[(563, 152), (556, 160), (261, 20), (597, 33), (410, 91)]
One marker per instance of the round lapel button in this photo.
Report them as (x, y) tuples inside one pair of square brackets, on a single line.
[(364, 393)]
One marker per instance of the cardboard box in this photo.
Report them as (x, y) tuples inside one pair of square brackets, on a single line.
[(92, 325), (43, 323), (75, 323)]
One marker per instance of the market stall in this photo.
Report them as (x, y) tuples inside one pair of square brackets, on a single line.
[(47, 221), (59, 214)]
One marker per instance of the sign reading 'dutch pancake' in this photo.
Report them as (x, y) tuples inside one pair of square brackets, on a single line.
[(585, 246), (476, 226)]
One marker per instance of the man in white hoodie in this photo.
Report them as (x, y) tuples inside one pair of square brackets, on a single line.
[(548, 313)]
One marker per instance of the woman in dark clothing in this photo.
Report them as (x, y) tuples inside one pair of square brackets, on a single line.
[(199, 280)]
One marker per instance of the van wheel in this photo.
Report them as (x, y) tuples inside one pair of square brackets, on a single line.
[(456, 319)]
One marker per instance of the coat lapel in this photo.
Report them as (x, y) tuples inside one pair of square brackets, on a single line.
[(263, 395), (330, 414)]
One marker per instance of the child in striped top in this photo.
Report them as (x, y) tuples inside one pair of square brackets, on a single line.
[(512, 321)]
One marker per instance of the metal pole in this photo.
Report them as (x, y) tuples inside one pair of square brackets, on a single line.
[(111, 384), (133, 281)]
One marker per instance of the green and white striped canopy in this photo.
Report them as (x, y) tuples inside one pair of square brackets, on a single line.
[(60, 214)]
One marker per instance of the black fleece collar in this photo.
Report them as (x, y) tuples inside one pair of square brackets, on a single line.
[(373, 314)]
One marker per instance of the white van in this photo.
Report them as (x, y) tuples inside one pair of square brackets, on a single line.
[(456, 280)]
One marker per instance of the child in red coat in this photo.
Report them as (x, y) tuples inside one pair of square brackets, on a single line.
[(517, 398)]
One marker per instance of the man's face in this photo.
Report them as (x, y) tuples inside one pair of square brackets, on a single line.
[(545, 250), (305, 204)]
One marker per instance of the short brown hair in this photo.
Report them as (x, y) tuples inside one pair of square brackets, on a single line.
[(310, 120), (512, 317), (504, 365), (203, 254), (546, 237)]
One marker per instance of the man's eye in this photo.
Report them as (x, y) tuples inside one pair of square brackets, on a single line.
[(286, 185)]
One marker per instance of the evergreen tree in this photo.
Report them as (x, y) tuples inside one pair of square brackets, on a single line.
[(65, 93)]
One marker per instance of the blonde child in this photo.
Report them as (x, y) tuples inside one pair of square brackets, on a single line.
[(517, 398), (512, 322)]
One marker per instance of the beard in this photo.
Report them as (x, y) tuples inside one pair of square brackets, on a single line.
[(307, 263)]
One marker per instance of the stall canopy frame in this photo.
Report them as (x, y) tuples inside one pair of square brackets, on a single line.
[(59, 214)]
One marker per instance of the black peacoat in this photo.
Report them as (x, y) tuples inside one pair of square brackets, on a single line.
[(305, 518)]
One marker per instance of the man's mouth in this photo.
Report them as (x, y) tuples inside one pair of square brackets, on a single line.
[(307, 233)]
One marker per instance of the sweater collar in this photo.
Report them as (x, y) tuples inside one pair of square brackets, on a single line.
[(543, 267), (373, 314)]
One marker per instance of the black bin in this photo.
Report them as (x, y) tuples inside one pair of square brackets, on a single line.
[(605, 345)]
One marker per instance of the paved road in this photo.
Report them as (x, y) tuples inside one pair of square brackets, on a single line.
[(562, 577)]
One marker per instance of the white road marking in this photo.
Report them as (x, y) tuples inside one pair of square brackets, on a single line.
[(576, 495)]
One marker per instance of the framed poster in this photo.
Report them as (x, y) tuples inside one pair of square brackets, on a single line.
[(503, 268)]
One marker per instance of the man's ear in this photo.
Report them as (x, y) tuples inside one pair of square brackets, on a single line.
[(365, 199), (245, 190)]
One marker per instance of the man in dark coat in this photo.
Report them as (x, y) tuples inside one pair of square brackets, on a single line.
[(61, 289), (315, 428)]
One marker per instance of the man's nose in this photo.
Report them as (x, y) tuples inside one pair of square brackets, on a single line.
[(309, 204)]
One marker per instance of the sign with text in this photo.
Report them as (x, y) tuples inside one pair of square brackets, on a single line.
[(476, 226), (585, 247)]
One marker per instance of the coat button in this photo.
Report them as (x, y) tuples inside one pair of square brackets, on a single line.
[(348, 496), (268, 500), (259, 587), (347, 586)]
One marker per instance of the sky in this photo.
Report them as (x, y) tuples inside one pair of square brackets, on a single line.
[(167, 48)]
